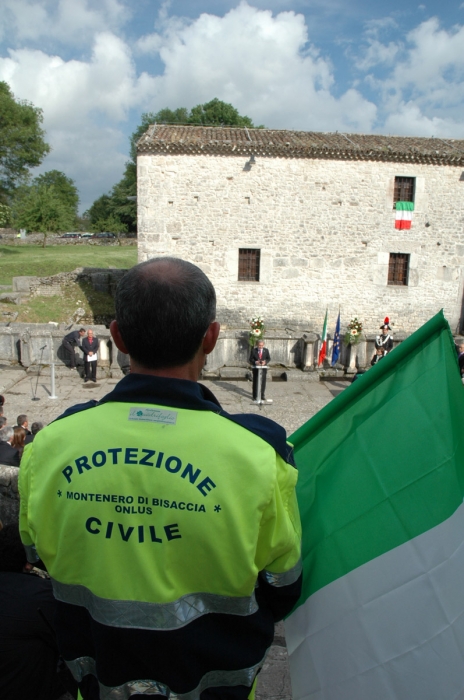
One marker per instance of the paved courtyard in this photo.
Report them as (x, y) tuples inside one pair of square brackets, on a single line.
[(294, 402)]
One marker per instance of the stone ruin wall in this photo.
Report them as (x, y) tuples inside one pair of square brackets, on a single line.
[(325, 229)]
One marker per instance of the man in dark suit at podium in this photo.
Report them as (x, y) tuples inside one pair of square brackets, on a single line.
[(260, 357)]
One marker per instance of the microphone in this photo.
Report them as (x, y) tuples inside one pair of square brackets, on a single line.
[(43, 347)]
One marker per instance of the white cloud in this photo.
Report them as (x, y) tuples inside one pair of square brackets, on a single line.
[(424, 90), (68, 21), (262, 64), (409, 119), (83, 103)]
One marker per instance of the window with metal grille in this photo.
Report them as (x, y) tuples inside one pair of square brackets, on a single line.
[(404, 189), (248, 264), (398, 269)]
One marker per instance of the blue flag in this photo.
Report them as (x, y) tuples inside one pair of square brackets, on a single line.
[(336, 342)]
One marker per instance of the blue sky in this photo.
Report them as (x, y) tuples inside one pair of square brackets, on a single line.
[(94, 66)]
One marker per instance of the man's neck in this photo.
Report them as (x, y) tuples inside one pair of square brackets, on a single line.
[(190, 371)]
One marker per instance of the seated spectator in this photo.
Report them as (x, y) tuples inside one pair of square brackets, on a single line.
[(22, 422), (8, 455), (19, 436), (35, 427), (28, 650)]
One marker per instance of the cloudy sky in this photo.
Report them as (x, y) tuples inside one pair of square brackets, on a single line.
[(94, 66)]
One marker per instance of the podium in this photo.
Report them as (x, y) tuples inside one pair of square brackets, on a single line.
[(259, 400)]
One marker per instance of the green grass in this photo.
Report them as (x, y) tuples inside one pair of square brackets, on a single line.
[(43, 262)]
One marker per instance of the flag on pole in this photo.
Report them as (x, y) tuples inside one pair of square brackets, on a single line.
[(380, 491), (336, 342), (323, 350), (404, 212)]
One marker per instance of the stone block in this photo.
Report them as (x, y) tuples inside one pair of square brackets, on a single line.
[(23, 284)]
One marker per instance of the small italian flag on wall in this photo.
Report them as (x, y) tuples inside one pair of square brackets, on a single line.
[(323, 350), (404, 212)]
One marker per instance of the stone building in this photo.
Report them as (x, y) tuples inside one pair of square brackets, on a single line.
[(288, 223)]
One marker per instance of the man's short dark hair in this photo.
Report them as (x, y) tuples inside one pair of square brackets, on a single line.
[(12, 554), (22, 418), (35, 427), (82, 330), (163, 308)]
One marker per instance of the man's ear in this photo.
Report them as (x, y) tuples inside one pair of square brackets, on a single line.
[(116, 335), (211, 336)]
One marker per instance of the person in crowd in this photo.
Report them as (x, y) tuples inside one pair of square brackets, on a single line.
[(8, 455), (70, 342), (18, 441), (28, 647), (136, 609), (22, 422), (259, 357), (3, 421), (378, 354), (90, 346), (35, 428), (384, 340)]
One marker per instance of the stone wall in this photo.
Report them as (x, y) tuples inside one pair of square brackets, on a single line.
[(325, 230), (101, 279), (31, 344)]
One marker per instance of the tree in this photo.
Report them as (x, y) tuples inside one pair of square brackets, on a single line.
[(218, 113), (22, 144), (5, 215), (40, 207), (63, 186)]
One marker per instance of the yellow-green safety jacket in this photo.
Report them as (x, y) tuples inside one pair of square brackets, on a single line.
[(172, 535)]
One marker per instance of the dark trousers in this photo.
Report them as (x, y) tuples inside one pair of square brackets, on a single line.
[(255, 382), (71, 353), (90, 369)]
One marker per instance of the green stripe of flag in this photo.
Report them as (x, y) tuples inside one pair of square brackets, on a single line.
[(405, 206), (384, 461)]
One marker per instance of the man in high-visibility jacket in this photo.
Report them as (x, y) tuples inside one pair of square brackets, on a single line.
[(169, 528)]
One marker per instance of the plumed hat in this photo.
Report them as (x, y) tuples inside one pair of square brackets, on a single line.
[(385, 324)]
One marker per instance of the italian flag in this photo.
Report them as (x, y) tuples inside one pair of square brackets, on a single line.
[(323, 350), (380, 491), (404, 212)]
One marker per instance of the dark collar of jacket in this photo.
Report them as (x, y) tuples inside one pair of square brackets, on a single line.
[(182, 393)]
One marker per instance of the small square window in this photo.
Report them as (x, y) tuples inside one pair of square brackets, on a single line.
[(404, 190), (398, 269), (248, 264)]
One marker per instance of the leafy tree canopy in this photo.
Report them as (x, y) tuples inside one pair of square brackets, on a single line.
[(22, 144), (47, 205), (64, 187)]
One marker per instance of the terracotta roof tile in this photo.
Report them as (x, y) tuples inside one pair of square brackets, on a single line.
[(210, 140)]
